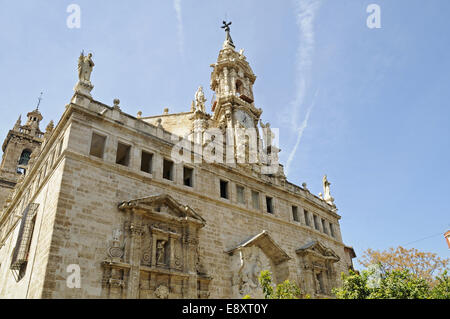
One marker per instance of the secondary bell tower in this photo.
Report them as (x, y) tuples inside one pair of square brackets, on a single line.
[(19, 144)]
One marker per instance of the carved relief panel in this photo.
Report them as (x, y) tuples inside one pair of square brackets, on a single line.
[(251, 257)]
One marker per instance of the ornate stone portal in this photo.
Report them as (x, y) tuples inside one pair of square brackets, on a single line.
[(317, 263), (251, 257), (160, 255)]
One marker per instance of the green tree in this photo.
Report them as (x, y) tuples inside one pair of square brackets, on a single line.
[(354, 286), (392, 285), (285, 290), (401, 285), (441, 289)]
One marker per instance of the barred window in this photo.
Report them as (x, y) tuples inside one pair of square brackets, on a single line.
[(22, 248)]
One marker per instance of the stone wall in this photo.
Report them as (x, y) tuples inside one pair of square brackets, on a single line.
[(78, 211)]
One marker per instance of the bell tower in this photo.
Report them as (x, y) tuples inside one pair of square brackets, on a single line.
[(232, 81), (17, 148)]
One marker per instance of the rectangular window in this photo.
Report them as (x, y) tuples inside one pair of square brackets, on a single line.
[(331, 230), (146, 162), (295, 214), (316, 222), (97, 145), (240, 194), (168, 170), (324, 227), (123, 154), (255, 199), (224, 189), (306, 214), (269, 204), (188, 176)]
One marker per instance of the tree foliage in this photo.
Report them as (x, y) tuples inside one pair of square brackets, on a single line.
[(392, 285), (285, 290), (419, 264)]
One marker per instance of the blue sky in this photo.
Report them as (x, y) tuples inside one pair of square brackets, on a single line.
[(373, 103)]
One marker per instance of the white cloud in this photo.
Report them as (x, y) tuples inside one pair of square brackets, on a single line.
[(305, 14), (177, 7), (300, 130)]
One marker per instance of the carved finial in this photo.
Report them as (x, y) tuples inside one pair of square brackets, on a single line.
[(192, 106), (18, 123), (139, 114), (166, 110), (116, 104), (50, 126), (305, 187)]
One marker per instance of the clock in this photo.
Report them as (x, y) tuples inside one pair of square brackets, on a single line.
[(245, 119)]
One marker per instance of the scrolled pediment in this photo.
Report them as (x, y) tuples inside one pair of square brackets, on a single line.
[(317, 249), (163, 206)]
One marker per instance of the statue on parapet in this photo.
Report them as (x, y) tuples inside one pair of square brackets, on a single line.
[(268, 134), (200, 100), (326, 191), (85, 66)]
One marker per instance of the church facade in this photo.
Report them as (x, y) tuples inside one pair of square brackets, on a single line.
[(185, 205)]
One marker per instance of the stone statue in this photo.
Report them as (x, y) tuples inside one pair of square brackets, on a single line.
[(85, 66), (268, 135), (247, 268), (326, 191), (319, 288), (116, 235), (160, 251), (241, 54), (200, 100)]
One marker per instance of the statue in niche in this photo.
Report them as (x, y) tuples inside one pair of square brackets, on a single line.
[(116, 250), (319, 287), (247, 270), (160, 252), (200, 100), (85, 66)]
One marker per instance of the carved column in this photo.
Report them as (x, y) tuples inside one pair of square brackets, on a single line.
[(136, 231), (191, 243)]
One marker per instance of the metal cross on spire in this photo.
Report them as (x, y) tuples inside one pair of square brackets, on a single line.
[(226, 27), (39, 101)]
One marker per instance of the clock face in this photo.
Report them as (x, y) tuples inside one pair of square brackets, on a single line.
[(244, 119)]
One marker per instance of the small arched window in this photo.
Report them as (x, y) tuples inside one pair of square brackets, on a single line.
[(25, 157), (239, 87)]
